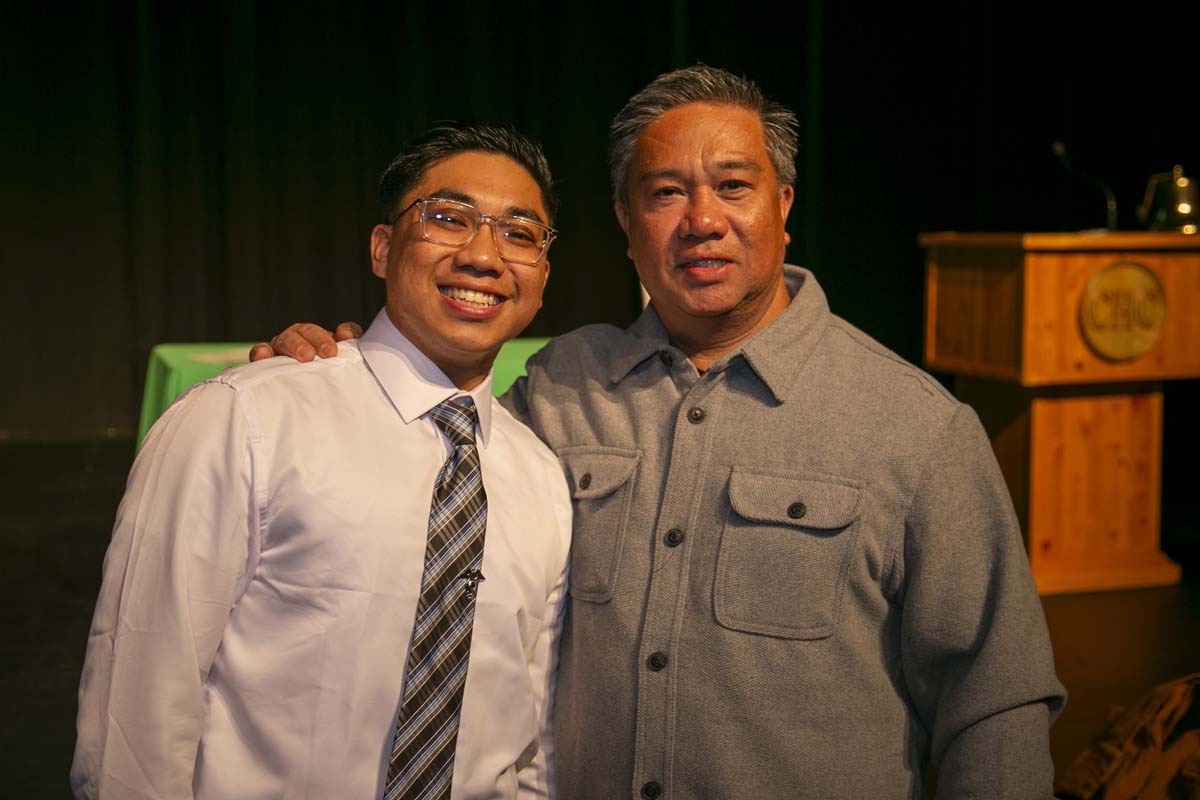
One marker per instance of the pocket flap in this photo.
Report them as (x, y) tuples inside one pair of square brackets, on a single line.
[(595, 472), (803, 502)]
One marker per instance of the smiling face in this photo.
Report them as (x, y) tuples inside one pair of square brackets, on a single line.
[(458, 305), (705, 219)]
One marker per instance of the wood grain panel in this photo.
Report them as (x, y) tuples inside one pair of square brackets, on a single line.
[(973, 311), (1054, 350), (1094, 491)]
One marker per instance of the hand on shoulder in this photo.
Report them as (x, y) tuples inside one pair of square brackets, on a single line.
[(303, 341)]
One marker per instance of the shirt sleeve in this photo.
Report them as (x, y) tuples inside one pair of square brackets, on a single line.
[(975, 648), (178, 558), (537, 779)]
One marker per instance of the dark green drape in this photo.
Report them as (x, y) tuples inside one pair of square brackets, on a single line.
[(205, 171)]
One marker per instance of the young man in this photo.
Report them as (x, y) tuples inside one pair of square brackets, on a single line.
[(796, 571), (346, 578)]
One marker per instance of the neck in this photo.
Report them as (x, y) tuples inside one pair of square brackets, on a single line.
[(465, 377), (709, 339), (465, 370), (467, 382)]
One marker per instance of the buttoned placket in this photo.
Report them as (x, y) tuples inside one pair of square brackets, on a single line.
[(694, 431)]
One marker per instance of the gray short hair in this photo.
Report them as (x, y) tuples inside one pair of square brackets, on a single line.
[(700, 84)]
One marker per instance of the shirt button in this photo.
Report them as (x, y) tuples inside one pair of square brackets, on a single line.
[(667, 358), (796, 510), (585, 481), (656, 661), (674, 537), (695, 414), (651, 790)]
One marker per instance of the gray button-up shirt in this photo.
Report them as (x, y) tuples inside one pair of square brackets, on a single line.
[(796, 575)]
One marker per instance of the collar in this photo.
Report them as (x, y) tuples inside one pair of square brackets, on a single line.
[(775, 354), (645, 337), (412, 382)]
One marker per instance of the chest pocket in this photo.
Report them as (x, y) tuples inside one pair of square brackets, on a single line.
[(601, 480), (785, 548)]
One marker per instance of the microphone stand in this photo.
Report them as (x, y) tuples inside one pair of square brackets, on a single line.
[(1060, 150)]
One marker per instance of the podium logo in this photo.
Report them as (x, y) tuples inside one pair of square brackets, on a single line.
[(1122, 311)]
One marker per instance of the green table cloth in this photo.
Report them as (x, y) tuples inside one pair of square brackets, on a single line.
[(175, 367)]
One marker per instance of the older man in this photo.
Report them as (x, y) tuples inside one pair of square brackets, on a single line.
[(346, 579), (796, 571)]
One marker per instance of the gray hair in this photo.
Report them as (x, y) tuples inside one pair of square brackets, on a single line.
[(700, 84)]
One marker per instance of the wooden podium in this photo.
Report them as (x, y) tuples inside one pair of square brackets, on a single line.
[(1060, 343)]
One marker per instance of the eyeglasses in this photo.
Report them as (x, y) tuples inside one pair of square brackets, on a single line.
[(518, 239)]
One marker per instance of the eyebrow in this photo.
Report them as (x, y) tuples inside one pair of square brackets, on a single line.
[(462, 197), (658, 173), (732, 165)]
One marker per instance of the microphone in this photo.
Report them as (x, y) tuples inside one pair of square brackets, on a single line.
[(1060, 150)]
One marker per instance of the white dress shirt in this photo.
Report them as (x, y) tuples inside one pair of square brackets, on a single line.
[(252, 630)]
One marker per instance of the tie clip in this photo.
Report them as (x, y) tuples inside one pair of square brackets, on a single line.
[(471, 579)]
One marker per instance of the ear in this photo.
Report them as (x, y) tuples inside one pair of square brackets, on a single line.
[(545, 280), (381, 240), (622, 212), (787, 195)]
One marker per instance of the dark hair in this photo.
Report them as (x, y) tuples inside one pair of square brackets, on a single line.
[(451, 138), (700, 84)]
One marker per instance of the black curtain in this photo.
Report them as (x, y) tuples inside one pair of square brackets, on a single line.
[(205, 172)]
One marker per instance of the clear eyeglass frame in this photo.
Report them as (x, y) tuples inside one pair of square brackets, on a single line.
[(518, 240)]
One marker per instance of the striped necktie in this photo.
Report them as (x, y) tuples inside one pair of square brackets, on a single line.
[(423, 750)]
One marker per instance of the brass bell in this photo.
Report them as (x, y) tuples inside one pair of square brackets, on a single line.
[(1171, 203)]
